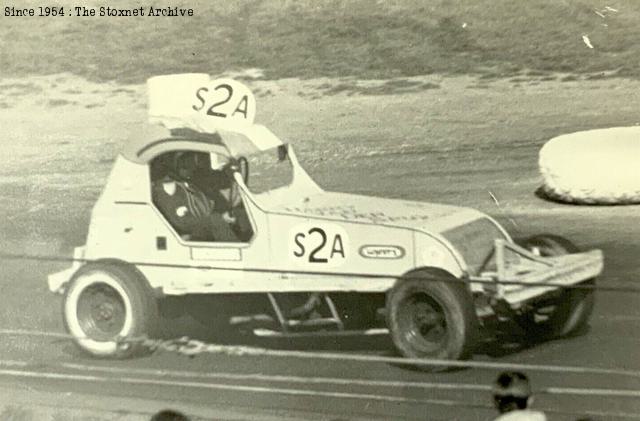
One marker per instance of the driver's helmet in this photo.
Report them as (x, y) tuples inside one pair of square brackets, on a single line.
[(187, 163)]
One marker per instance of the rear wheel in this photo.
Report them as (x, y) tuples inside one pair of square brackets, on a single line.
[(432, 318), (106, 302), (570, 312)]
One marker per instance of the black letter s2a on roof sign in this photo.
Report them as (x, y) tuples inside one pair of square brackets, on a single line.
[(199, 96), (229, 90), (225, 99), (243, 110)]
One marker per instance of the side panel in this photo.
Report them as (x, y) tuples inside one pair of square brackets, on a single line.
[(432, 253), (125, 225), (138, 233), (130, 232), (335, 250)]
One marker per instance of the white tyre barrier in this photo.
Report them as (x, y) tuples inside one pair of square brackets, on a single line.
[(593, 167)]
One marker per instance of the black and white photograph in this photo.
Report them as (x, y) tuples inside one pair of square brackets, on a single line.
[(330, 210)]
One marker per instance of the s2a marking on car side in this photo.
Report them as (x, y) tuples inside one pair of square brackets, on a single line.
[(325, 244)]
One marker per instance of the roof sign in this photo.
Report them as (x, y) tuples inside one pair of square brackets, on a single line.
[(198, 112), (193, 100)]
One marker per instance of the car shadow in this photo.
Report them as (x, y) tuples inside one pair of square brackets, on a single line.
[(323, 341), (505, 345), (496, 343), (511, 342)]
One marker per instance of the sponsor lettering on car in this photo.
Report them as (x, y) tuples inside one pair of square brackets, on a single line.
[(382, 251)]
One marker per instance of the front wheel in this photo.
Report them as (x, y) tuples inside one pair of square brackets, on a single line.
[(570, 313), (432, 318), (106, 302)]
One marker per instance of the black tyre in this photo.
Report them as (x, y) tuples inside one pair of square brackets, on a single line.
[(431, 319), (570, 313), (105, 302)]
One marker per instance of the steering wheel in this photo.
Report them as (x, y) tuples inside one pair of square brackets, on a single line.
[(241, 165)]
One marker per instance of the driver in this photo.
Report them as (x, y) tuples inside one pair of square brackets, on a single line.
[(188, 209), (215, 183), (213, 177)]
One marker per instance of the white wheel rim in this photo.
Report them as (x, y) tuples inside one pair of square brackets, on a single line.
[(71, 312)]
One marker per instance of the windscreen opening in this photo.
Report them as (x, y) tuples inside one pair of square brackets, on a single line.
[(269, 170)]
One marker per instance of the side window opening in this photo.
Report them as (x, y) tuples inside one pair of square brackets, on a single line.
[(196, 199)]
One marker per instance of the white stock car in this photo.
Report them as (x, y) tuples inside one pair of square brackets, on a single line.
[(436, 273)]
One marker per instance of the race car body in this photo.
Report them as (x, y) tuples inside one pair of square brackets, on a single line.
[(443, 268)]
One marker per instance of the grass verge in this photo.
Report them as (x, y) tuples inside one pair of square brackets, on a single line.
[(307, 39)]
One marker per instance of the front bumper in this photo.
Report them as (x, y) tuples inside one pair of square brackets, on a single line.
[(521, 276), (57, 281)]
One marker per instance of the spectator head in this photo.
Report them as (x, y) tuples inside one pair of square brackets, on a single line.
[(511, 392), (169, 415)]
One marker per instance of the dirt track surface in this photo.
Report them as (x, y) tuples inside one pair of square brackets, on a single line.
[(453, 144)]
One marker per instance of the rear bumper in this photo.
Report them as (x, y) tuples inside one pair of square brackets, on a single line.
[(57, 281), (517, 267)]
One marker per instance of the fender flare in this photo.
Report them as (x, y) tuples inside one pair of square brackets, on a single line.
[(433, 272), (127, 266)]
